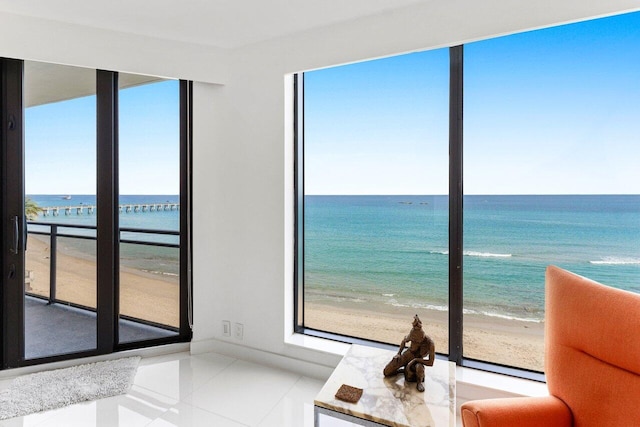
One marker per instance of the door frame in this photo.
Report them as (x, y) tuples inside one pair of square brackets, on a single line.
[(12, 198), (107, 228), (13, 231)]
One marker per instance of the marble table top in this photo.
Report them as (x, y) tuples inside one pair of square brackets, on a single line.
[(389, 401)]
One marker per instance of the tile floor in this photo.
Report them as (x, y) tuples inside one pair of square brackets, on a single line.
[(199, 390)]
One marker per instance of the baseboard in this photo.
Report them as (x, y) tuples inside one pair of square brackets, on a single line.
[(250, 354)]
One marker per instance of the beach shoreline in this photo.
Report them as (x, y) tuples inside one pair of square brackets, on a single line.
[(143, 295), (495, 340)]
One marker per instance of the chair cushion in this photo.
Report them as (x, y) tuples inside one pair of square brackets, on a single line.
[(518, 411)]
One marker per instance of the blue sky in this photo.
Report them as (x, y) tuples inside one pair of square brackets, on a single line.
[(554, 111), (60, 143)]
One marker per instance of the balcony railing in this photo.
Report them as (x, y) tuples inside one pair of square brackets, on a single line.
[(134, 236)]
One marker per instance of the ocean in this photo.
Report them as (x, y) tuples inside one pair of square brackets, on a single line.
[(158, 260), (377, 251)]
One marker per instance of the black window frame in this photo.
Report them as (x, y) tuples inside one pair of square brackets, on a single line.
[(456, 237)]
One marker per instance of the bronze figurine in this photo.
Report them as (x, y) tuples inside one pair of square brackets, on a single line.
[(412, 361)]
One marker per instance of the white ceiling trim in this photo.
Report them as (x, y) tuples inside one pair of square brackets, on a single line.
[(220, 23)]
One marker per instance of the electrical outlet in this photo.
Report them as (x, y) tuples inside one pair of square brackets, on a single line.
[(239, 329), (226, 328)]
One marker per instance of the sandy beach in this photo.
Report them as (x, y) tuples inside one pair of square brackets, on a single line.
[(154, 297), (143, 295), (496, 340)]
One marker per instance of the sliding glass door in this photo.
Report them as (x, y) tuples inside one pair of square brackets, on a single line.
[(87, 270), (149, 189), (60, 195)]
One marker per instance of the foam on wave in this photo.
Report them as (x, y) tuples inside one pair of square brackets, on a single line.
[(476, 254), (503, 316), (616, 261)]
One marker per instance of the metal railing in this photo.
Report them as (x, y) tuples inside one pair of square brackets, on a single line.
[(87, 232)]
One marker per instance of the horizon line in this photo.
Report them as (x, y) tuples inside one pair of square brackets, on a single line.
[(84, 194), (481, 194)]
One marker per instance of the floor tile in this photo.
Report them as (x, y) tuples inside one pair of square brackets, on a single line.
[(137, 408), (27, 421), (185, 415), (295, 409), (151, 399), (96, 413), (183, 390), (152, 360), (179, 377), (206, 366), (244, 391)]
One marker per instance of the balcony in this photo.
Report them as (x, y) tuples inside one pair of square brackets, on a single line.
[(61, 292)]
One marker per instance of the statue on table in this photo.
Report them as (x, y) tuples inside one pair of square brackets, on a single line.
[(412, 361)]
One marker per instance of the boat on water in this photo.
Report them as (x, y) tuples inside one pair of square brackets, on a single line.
[(67, 197)]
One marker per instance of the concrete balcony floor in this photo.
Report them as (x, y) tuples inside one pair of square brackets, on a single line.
[(60, 329)]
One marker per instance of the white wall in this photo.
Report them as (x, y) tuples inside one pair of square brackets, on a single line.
[(243, 204), (37, 39), (243, 170)]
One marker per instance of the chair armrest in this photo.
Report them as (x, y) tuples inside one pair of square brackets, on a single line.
[(518, 411)]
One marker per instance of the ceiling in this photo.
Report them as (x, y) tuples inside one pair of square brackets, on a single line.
[(45, 83), (221, 23)]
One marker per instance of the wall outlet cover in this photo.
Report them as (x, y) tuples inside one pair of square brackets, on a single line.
[(226, 328), (239, 330)]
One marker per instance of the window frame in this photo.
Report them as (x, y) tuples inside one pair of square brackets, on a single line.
[(456, 237)]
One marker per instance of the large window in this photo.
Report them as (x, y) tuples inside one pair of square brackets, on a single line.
[(375, 197), (550, 177)]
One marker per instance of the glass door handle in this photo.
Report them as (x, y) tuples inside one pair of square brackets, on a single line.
[(16, 235), (25, 232)]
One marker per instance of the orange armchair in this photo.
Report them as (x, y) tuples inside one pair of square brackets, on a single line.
[(592, 361)]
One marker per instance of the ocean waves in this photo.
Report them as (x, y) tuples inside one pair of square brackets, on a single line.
[(423, 306), (607, 260), (495, 314), (396, 302), (616, 261), (373, 253), (476, 254), (161, 273), (503, 315)]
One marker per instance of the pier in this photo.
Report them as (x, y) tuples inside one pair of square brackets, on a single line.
[(91, 209)]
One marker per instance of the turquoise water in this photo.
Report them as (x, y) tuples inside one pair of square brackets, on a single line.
[(159, 260), (393, 250)]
